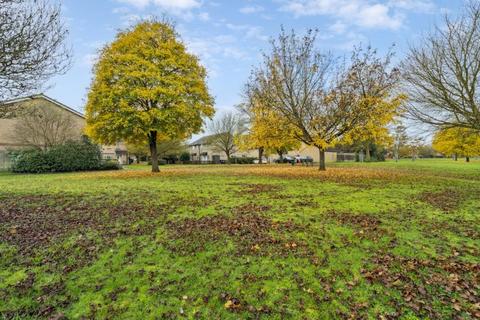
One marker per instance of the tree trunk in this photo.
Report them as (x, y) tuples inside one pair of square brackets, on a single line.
[(228, 156), (260, 155), (322, 166), (152, 140), (280, 154), (467, 159), (367, 153), (138, 158), (455, 157)]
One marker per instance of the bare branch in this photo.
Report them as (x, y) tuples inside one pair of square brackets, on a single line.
[(442, 73), (32, 45)]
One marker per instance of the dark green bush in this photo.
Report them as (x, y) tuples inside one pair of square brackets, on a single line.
[(185, 156), (242, 160), (70, 156)]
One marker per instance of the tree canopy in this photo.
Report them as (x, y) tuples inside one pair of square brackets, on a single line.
[(147, 87), (457, 142), (322, 98), (269, 131)]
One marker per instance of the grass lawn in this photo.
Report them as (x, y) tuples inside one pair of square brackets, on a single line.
[(382, 240)]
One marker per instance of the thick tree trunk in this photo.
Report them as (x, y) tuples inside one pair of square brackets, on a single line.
[(322, 166), (455, 157), (260, 155), (467, 159), (228, 156), (367, 153), (152, 140), (280, 154), (138, 158)]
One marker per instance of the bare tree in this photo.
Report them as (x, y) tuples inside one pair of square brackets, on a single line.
[(32, 45), (317, 95), (224, 130), (443, 73), (42, 126)]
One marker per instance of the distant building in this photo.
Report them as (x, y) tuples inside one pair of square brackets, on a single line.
[(202, 150), (8, 140)]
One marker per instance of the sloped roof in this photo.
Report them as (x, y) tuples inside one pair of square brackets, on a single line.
[(43, 96), (202, 141)]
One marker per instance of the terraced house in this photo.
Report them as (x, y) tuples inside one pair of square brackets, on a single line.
[(202, 150), (40, 121)]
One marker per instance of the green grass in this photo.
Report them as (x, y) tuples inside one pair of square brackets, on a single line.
[(393, 240)]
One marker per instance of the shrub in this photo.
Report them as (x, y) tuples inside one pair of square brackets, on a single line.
[(242, 160), (70, 156), (185, 156), (110, 165)]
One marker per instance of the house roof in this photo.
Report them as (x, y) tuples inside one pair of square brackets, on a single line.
[(202, 141), (43, 96)]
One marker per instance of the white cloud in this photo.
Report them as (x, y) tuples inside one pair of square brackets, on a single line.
[(252, 9), (136, 3), (250, 32), (426, 6), (338, 27), (362, 13), (170, 6), (204, 16), (212, 50)]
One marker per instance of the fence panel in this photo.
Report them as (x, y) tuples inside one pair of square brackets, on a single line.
[(4, 160)]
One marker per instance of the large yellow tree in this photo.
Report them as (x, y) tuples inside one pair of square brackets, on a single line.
[(147, 87), (457, 142)]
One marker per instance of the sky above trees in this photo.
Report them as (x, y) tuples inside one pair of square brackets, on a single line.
[(229, 36)]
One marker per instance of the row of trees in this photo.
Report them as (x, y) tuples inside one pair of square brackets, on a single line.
[(322, 100), (148, 88)]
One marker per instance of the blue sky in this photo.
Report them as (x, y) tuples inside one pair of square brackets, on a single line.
[(229, 35)]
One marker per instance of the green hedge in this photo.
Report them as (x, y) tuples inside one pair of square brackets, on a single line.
[(242, 160), (71, 156)]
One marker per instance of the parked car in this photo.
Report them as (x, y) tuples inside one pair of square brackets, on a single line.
[(286, 159), (306, 159)]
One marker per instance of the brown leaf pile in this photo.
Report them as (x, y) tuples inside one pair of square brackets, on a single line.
[(421, 282), (30, 222), (256, 188), (250, 231), (340, 175), (365, 225), (446, 200)]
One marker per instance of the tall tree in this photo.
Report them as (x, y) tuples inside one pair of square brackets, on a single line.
[(375, 80), (443, 73), (147, 87), (32, 45), (320, 97), (224, 130), (457, 142)]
